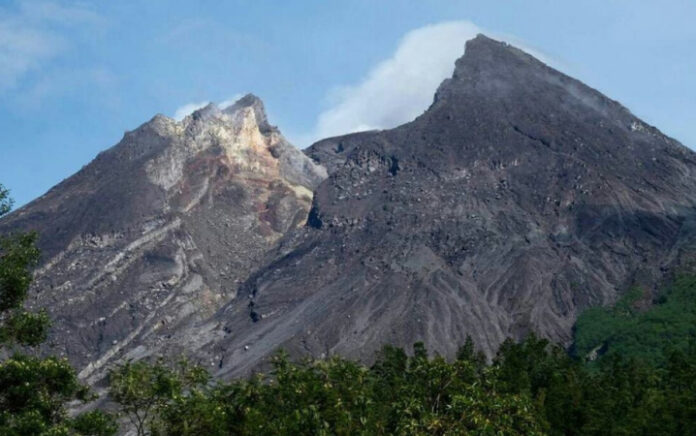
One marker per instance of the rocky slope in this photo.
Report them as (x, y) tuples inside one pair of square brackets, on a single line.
[(519, 198), (157, 232)]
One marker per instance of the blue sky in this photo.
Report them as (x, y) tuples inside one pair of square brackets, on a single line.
[(75, 75)]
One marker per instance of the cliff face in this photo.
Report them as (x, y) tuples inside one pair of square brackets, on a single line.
[(519, 198), (157, 232)]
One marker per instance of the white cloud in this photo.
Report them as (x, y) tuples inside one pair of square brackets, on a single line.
[(29, 36), (23, 49), (230, 101), (401, 87), (189, 108)]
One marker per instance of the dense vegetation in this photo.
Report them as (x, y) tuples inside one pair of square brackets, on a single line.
[(644, 381), (629, 329), (530, 388)]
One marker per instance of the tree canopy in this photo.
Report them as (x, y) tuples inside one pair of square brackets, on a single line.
[(530, 388)]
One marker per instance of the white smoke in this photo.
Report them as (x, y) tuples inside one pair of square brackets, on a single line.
[(189, 108)]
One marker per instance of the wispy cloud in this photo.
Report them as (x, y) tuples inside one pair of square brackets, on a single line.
[(213, 36), (187, 109), (30, 36), (230, 101), (63, 83), (401, 87)]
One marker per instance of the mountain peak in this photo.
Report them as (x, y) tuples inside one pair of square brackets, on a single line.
[(255, 103), (493, 67), (487, 59), (497, 71), (482, 40), (206, 112), (482, 48), (519, 198), (249, 100), (169, 220)]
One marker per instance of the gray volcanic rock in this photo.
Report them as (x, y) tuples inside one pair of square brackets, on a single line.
[(518, 199), (157, 232)]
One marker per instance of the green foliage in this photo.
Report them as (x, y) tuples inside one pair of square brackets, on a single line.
[(34, 391), (25, 328), (5, 201), (18, 254), (143, 389), (94, 422), (530, 388), (649, 335), (398, 395), (33, 394), (618, 396)]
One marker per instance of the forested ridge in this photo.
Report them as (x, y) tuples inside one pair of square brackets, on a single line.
[(632, 328), (632, 370)]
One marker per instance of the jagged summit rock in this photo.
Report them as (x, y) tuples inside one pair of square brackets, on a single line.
[(518, 199), (255, 103), (155, 234)]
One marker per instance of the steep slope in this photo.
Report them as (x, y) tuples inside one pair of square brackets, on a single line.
[(157, 232), (520, 197)]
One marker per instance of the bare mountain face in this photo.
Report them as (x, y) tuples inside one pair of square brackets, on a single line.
[(156, 233), (519, 198)]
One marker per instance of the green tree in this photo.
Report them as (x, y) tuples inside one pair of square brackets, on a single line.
[(145, 391), (531, 388), (18, 254), (398, 395), (5, 201), (33, 391)]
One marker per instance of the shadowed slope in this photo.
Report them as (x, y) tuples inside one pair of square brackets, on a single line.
[(520, 197)]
